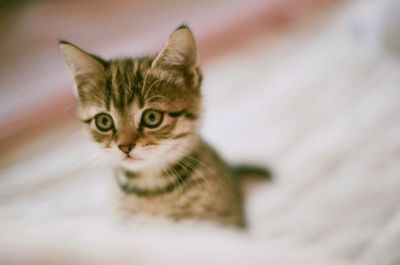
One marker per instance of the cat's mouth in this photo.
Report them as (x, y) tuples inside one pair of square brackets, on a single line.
[(132, 158)]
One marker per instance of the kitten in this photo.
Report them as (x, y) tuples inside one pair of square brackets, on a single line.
[(146, 112)]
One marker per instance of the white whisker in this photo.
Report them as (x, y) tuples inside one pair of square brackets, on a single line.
[(151, 86)]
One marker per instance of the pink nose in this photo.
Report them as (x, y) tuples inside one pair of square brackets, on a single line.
[(126, 148)]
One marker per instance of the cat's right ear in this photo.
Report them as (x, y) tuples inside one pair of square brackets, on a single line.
[(82, 64)]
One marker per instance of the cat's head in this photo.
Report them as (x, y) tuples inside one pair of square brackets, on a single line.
[(144, 111)]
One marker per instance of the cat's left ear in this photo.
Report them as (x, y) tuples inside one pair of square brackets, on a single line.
[(180, 51), (82, 64)]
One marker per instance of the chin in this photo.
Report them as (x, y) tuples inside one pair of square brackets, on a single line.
[(134, 165), (141, 164)]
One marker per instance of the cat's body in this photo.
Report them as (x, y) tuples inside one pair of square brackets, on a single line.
[(146, 113)]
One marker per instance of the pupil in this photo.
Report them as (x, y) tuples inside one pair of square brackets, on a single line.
[(104, 121), (152, 117)]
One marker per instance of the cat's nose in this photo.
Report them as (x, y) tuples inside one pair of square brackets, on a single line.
[(126, 148)]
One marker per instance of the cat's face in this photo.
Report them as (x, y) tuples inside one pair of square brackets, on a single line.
[(143, 111)]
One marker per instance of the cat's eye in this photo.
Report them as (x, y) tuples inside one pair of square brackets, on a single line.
[(152, 118), (104, 122)]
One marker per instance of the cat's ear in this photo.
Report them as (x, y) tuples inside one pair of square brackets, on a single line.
[(179, 52), (82, 64)]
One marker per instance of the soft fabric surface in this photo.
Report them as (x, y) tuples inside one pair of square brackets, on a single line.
[(318, 103)]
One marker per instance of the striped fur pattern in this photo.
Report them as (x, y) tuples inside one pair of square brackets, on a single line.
[(145, 112)]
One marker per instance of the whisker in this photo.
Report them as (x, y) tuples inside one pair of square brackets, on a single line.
[(94, 160), (182, 185), (209, 169), (157, 96), (175, 174), (186, 155), (151, 86), (70, 106), (187, 167), (165, 170), (145, 81), (200, 173)]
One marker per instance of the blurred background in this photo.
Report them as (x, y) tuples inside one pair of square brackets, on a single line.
[(310, 88)]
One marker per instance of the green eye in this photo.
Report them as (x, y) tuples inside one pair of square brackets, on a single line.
[(104, 122), (152, 118)]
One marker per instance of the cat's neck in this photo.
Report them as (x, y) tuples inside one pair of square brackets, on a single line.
[(158, 180)]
